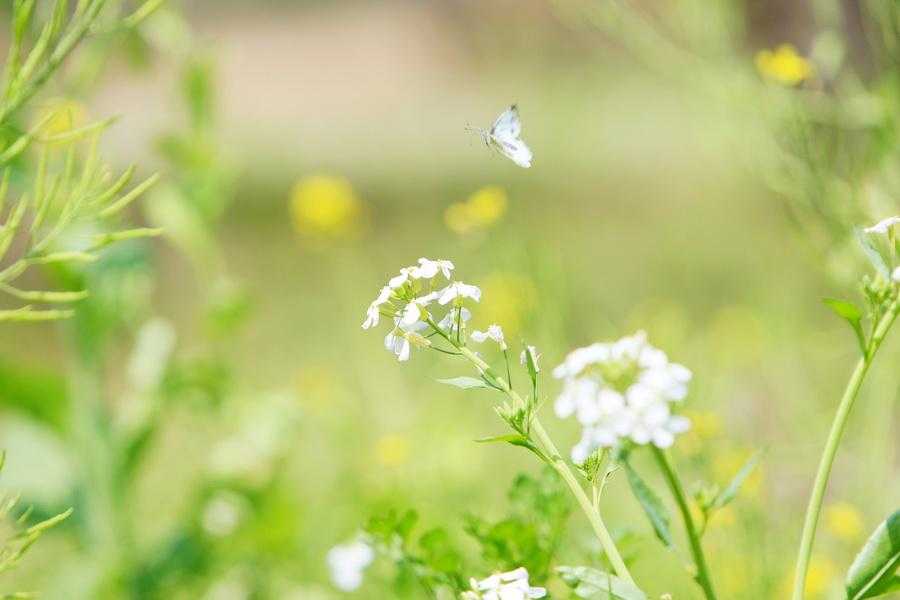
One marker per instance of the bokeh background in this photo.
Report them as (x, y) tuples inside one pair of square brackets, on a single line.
[(319, 146)]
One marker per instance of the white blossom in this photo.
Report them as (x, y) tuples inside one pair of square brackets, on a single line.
[(494, 332), (427, 269), (535, 357), (896, 274), (883, 226), (460, 290), (348, 562), (454, 317), (373, 314), (401, 339), (622, 390), (414, 310), (512, 585)]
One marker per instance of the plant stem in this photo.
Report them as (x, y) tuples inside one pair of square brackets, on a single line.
[(702, 576), (558, 464), (831, 446)]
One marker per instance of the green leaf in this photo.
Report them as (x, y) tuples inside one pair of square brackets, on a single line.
[(872, 253), (516, 439), (873, 570), (653, 507), (464, 383), (731, 491), (593, 584), (850, 313)]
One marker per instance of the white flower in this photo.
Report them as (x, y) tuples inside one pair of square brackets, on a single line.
[(512, 585), (373, 314), (348, 562), (427, 269), (414, 312), (535, 357), (896, 274), (883, 226), (494, 332), (622, 390), (401, 339), (454, 317), (398, 281), (458, 289)]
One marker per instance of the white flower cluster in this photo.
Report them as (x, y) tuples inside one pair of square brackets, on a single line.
[(348, 563), (620, 391), (512, 585), (406, 298)]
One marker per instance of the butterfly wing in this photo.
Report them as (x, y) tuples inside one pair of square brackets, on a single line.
[(514, 149), (508, 124)]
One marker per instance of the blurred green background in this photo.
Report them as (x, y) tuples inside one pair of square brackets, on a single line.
[(332, 145)]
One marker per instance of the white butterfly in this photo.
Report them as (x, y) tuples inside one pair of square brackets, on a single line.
[(504, 137)]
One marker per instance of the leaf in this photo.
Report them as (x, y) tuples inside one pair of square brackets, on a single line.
[(465, 383), (872, 253), (516, 439), (730, 492), (652, 505), (850, 313), (873, 570), (593, 584)]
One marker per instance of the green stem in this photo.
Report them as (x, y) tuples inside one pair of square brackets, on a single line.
[(831, 446), (558, 464), (702, 576)]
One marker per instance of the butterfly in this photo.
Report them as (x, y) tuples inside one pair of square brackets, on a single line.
[(503, 137)]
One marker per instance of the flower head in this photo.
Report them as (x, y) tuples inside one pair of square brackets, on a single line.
[(784, 65), (403, 337), (348, 562), (622, 390), (494, 332), (883, 226), (512, 585), (457, 291), (455, 317), (896, 275), (324, 205)]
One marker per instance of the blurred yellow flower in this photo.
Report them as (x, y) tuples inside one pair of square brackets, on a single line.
[(784, 65), (62, 115), (507, 299), (844, 521), (728, 462), (821, 576), (392, 450), (325, 205), (482, 210)]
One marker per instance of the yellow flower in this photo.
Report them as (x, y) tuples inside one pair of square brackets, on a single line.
[(392, 450), (844, 521), (507, 299), (784, 65), (62, 115), (326, 206), (482, 210)]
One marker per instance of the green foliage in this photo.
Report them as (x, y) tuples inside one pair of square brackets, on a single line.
[(14, 546), (464, 383), (850, 313), (593, 584), (432, 562), (874, 571), (653, 506), (530, 534)]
